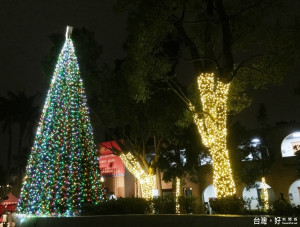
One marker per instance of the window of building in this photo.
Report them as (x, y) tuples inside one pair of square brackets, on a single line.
[(188, 192), (204, 159), (290, 145), (253, 149)]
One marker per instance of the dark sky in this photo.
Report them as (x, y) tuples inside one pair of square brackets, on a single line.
[(26, 24)]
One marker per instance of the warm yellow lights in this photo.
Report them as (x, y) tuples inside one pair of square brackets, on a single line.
[(265, 195), (212, 128), (147, 181), (178, 190)]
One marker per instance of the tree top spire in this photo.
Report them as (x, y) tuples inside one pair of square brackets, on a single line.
[(69, 31)]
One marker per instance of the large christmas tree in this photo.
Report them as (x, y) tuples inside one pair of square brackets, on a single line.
[(63, 170)]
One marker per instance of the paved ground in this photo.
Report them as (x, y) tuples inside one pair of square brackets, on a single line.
[(150, 221)]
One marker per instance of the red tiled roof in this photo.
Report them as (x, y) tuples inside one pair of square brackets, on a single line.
[(11, 200)]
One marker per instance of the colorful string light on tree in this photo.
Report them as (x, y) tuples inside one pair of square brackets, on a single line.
[(63, 170)]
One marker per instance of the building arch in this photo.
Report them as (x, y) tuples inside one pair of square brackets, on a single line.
[(290, 144), (294, 193), (209, 193), (252, 195)]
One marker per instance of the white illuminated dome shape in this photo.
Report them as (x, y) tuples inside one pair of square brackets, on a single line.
[(290, 144)]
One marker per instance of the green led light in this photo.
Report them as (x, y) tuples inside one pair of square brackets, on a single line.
[(63, 171)]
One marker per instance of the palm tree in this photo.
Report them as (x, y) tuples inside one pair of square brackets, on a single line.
[(26, 117), (18, 109), (7, 115)]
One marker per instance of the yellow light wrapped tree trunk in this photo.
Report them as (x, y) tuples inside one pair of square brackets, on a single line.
[(147, 181), (212, 128), (178, 193), (265, 194)]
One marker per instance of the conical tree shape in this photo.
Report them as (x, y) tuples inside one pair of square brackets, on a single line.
[(63, 170)]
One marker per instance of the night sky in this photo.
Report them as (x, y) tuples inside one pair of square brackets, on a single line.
[(26, 25)]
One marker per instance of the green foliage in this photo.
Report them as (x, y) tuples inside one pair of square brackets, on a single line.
[(180, 157), (4, 190), (119, 206), (256, 212), (164, 205), (154, 126), (167, 205), (157, 205), (120, 109), (281, 207), (262, 116), (237, 98), (248, 169), (253, 43), (228, 205), (147, 61), (234, 205), (234, 40), (240, 147), (188, 205), (159, 114)]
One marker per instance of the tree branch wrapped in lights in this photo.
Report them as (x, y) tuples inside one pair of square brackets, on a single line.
[(147, 180)]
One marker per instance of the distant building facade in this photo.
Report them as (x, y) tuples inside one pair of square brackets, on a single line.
[(282, 176)]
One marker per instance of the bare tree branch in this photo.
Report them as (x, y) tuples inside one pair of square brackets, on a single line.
[(245, 9), (204, 18), (190, 44), (178, 92), (242, 65), (227, 59), (198, 59), (256, 69)]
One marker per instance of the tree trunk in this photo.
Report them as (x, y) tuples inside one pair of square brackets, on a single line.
[(212, 128), (147, 180), (158, 173), (9, 151), (20, 145), (158, 181), (178, 193)]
